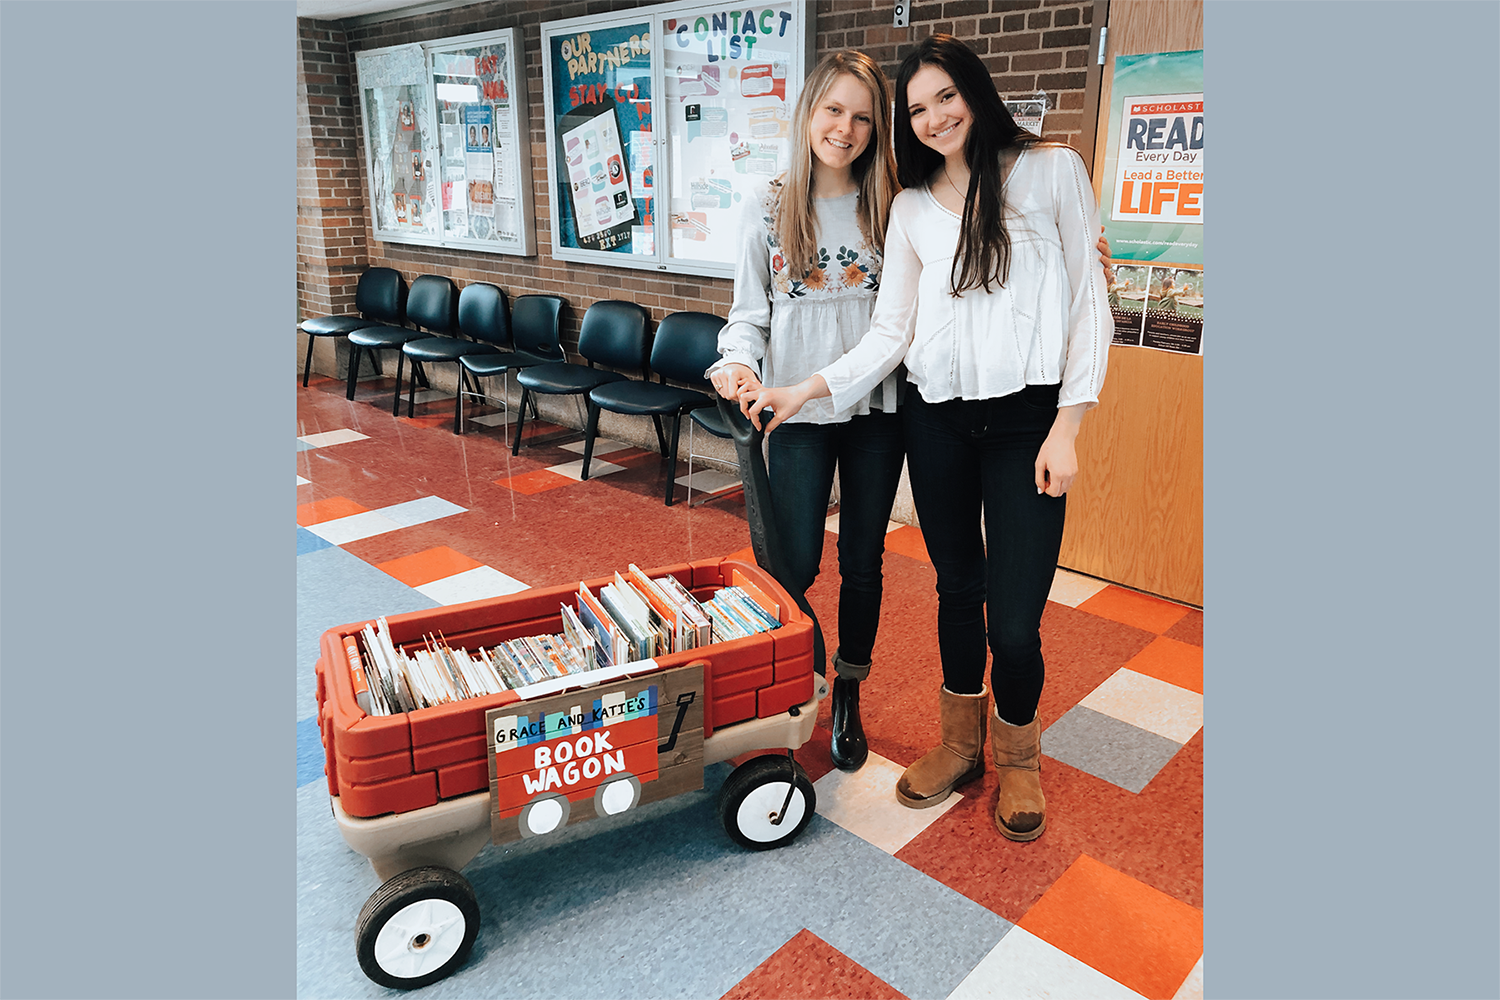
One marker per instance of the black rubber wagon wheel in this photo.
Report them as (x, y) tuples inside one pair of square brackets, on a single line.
[(755, 808), (417, 928)]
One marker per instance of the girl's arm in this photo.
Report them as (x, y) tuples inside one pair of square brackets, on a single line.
[(743, 339), (1090, 323)]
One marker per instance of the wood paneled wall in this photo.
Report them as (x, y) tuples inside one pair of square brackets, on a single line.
[(1135, 516)]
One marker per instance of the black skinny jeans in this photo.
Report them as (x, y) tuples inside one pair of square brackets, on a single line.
[(868, 452), (973, 457)]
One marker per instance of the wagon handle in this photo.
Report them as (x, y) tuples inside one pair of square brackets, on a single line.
[(791, 786), (683, 701)]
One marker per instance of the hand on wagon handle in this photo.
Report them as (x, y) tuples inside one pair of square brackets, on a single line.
[(733, 379), (783, 402)]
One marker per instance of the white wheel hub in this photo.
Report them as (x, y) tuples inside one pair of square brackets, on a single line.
[(759, 807), (545, 816), (419, 938), (617, 796)]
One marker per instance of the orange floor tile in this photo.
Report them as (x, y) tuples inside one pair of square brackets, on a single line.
[(1130, 608), (425, 567), (327, 509), (1136, 935), (907, 541), (539, 481), (1168, 660)]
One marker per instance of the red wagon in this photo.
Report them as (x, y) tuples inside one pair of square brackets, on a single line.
[(420, 793)]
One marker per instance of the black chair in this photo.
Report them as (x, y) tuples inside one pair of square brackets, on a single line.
[(687, 343), (482, 316), (432, 305), (536, 332), (380, 298), (613, 333), (711, 420)]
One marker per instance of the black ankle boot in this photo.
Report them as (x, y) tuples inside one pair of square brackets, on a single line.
[(849, 749)]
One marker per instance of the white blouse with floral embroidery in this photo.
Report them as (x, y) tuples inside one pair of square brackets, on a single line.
[(786, 328)]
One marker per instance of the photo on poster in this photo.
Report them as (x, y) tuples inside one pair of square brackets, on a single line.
[(1028, 112), (1174, 311), (1127, 302)]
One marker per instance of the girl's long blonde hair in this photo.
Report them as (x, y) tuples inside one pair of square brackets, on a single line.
[(874, 170)]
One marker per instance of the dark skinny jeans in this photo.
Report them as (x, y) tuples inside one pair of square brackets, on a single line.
[(867, 450), (969, 458)]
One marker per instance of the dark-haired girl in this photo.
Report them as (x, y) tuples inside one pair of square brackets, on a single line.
[(993, 298)]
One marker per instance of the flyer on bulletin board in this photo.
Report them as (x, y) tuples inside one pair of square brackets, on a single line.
[(1153, 200)]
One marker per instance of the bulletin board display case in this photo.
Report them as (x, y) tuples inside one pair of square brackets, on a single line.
[(661, 121), (447, 146)]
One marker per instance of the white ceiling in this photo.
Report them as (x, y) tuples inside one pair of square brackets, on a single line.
[(333, 10)]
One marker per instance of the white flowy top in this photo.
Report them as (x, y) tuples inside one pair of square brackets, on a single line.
[(786, 328), (1050, 322)]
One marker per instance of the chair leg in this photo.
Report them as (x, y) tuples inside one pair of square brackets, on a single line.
[(591, 429), (307, 366), (458, 403), (521, 419), (661, 439), (672, 459), (354, 352), (396, 402), (411, 392)]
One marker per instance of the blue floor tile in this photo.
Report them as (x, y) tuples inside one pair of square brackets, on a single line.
[(309, 752), (658, 902), (309, 542)]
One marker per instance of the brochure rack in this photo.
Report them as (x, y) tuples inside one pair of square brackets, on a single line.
[(420, 793)]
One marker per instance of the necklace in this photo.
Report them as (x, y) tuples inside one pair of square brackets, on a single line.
[(952, 185)]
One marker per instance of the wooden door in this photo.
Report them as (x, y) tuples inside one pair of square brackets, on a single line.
[(1136, 515)]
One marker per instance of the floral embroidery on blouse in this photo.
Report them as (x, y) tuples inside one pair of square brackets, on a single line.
[(858, 266)]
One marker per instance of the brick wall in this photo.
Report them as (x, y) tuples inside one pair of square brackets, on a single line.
[(331, 245), (1028, 45)]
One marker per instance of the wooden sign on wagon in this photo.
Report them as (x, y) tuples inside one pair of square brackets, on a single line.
[(595, 752)]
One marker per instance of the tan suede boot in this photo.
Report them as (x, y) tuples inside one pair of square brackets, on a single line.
[(957, 759), (1021, 809)]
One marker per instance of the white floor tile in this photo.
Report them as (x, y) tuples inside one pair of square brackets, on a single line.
[(708, 481), (326, 438), (302, 482), (1192, 986), (574, 470), (1149, 704), (489, 419), (1073, 589), (602, 446), (421, 511), (428, 395), (472, 585), (354, 527), (864, 803), (1024, 967)]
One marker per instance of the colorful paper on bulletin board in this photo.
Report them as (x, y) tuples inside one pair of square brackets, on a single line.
[(601, 96), (1153, 164), (728, 105)]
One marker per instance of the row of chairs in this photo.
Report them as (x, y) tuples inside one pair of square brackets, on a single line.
[(487, 336)]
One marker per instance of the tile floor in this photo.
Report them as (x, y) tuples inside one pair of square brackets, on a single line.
[(874, 900)]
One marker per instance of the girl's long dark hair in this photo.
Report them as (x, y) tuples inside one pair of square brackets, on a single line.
[(983, 251)]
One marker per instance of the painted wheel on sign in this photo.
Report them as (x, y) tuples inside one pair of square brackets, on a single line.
[(618, 794), (754, 805), (417, 928), (547, 813)]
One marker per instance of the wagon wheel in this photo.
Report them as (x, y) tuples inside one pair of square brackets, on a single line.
[(417, 928), (754, 805)]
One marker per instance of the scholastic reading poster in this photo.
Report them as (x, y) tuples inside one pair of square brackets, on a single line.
[(729, 111), (601, 102), (1153, 202)]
